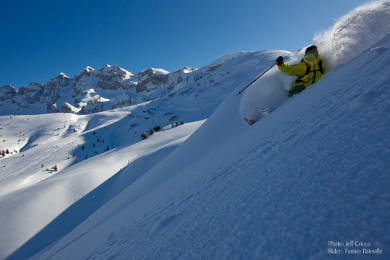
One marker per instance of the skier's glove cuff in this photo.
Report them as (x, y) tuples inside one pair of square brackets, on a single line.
[(279, 60)]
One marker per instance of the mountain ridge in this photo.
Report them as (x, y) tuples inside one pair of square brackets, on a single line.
[(119, 87)]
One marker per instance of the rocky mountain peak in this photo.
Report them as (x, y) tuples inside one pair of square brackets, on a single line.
[(35, 86), (62, 79), (184, 70), (85, 72), (93, 90), (150, 78), (113, 69), (151, 72), (8, 90), (111, 77)]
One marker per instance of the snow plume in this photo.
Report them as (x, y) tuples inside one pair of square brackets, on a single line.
[(353, 33), (265, 94), (348, 38)]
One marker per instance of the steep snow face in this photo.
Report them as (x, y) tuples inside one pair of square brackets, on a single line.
[(313, 172)]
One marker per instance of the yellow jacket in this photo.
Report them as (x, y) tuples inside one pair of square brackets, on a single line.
[(307, 72)]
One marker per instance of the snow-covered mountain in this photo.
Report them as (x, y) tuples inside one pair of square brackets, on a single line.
[(308, 181), (109, 87)]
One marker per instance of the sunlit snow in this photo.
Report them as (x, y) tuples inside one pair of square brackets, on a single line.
[(309, 176)]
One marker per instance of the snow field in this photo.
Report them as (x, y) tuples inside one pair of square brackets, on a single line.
[(314, 170)]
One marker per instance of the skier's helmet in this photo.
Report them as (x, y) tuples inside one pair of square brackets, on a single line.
[(311, 53)]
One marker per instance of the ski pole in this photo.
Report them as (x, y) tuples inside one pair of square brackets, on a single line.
[(256, 78)]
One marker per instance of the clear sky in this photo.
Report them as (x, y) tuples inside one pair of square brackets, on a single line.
[(40, 39)]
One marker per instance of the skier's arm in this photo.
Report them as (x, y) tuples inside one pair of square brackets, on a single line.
[(293, 70)]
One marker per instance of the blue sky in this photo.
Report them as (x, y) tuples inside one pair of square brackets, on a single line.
[(40, 39)]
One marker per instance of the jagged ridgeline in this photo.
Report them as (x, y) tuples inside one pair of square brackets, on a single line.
[(91, 91)]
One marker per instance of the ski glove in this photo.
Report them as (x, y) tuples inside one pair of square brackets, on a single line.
[(279, 60)]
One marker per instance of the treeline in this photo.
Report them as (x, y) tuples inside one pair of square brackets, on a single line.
[(7, 152), (156, 129)]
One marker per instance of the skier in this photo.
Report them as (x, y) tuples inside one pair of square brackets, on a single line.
[(308, 71)]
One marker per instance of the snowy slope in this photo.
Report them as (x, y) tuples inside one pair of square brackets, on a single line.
[(315, 170), (91, 150), (41, 139), (110, 87)]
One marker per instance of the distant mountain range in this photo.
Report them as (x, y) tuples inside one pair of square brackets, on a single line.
[(95, 90)]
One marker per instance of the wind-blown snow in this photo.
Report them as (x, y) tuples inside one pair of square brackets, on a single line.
[(350, 35), (265, 95), (354, 33), (314, 171)]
